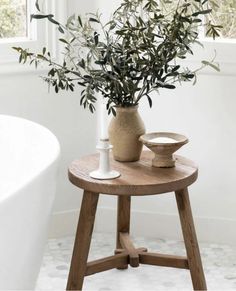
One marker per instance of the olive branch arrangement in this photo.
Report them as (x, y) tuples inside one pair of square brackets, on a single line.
[(135, 53)]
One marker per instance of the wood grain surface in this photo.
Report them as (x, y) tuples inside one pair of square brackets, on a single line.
[(123, 219), (190, 239), (137, 178), (164, 260), (83, 237)]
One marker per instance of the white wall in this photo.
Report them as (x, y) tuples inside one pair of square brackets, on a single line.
[(26, 95), (205, 113)]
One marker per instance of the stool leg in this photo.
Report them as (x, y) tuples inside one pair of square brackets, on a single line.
[(82, 241), (123, 219), (190, 239)]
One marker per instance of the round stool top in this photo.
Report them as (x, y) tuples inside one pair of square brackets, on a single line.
[(137, 178)]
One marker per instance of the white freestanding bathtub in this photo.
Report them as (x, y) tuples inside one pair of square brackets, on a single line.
[(29, 155)]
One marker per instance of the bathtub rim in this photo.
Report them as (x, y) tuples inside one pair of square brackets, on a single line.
[(56, 156)]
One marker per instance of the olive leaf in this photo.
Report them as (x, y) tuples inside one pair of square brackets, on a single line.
[(139, 51)]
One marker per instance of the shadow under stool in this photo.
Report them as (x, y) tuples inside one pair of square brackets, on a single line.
[(137, 179)]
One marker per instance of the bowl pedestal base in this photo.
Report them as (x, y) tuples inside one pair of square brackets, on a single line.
[(163, 161)]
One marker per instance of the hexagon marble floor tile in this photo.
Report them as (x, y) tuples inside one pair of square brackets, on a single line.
[(219, 264)]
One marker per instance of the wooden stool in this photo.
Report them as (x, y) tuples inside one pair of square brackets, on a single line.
[(137, 179)]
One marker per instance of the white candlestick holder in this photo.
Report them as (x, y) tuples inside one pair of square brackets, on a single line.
[(104, 171)]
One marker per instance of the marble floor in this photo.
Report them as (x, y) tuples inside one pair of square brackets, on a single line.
[(219, 265)]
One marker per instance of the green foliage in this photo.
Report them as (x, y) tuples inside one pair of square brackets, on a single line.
[(137, 52), (12, 18), (224, 13)]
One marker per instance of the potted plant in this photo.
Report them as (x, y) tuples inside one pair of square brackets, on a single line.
[(135, 53)]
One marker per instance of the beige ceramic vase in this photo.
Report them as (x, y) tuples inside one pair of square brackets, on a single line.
[(124, 132)]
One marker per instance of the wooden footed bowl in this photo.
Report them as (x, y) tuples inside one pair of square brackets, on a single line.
[(164, 145)]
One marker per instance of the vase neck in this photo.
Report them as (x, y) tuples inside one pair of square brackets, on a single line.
[(131, 109)]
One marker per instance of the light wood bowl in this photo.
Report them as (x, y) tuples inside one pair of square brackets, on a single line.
[(163, 150)]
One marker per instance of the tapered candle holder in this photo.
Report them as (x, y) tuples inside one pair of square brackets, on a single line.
[(104, 172)]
